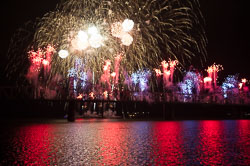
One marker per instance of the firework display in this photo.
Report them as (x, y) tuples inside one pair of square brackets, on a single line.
[(147, 32), (98, 50)]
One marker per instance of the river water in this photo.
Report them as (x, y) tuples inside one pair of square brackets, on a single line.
[(118, 142)]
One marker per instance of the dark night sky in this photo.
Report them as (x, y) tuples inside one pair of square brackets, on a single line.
[(226, 27)]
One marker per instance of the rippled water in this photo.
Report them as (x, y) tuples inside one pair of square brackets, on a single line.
[(113, 142)]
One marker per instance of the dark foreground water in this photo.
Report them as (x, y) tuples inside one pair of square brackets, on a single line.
[(114, 142)]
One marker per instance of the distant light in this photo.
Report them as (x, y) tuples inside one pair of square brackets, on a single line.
[(63, 53), (127, 25)]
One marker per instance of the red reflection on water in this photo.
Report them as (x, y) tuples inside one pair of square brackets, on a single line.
[(211, 150), (34, 145), (244, 141), (167, 143), (112, 143)]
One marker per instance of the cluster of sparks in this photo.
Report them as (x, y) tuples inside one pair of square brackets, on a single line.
[(191, 82), (214, 68), (212, 73), (141, 78), (91, 38), (41, 57), (167, 67), (121, 31), (230, 83)]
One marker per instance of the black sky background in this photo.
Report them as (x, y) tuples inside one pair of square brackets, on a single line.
[(226, 27)]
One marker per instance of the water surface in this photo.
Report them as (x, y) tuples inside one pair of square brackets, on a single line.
[(115, 142)]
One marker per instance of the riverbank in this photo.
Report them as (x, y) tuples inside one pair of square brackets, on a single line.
[(60, 109)]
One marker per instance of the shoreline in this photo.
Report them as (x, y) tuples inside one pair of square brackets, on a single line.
[(123, 110)]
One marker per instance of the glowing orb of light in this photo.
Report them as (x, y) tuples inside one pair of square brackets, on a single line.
[(92, 30), (116, 29), (63, 53), (127, 25), (80, 42), (127, 39), (82, 36), (96, 40)]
